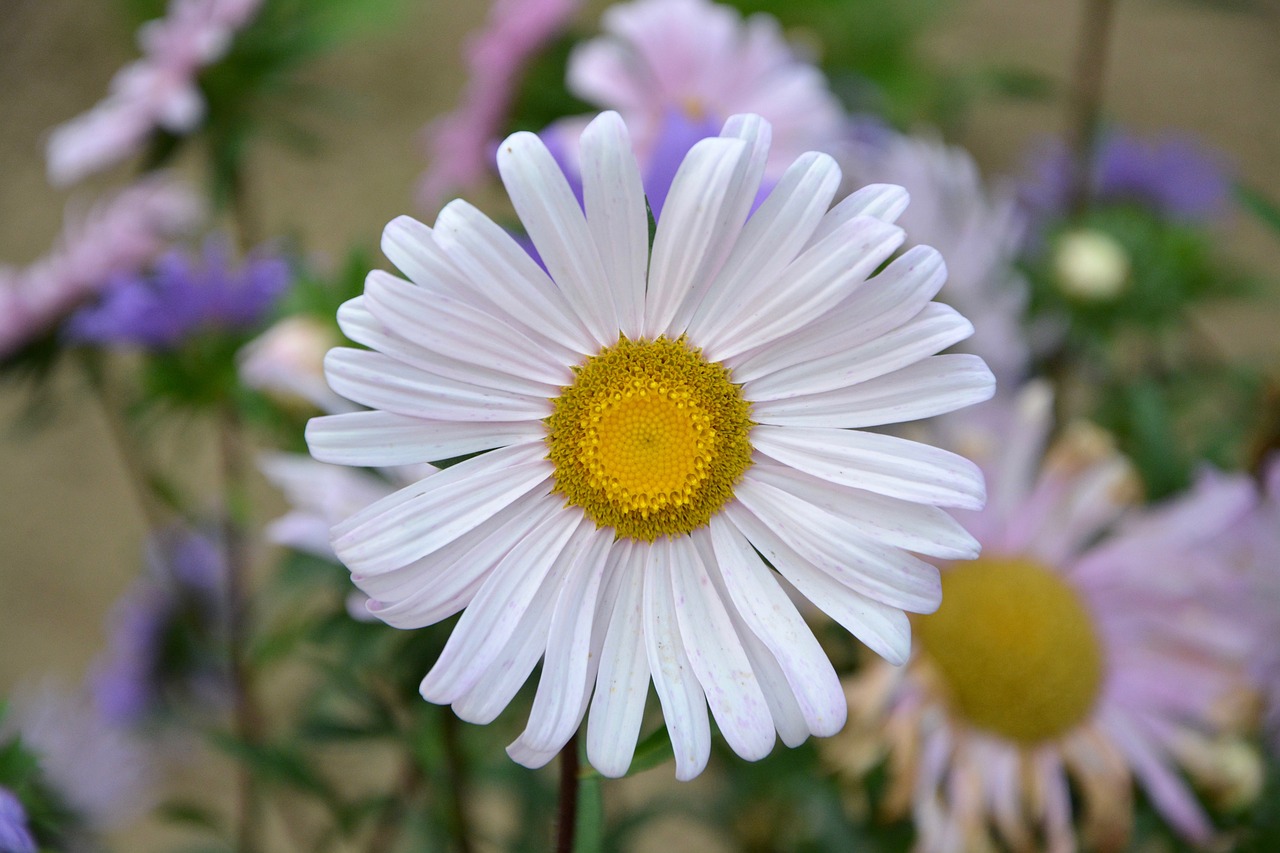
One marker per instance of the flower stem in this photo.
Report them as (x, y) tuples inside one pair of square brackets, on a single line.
[(1084, 109), (456, 768), (567, 819)]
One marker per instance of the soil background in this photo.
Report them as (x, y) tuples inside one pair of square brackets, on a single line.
[(70, 532)]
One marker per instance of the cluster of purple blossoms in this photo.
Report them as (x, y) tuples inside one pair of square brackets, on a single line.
[(183, 295), (15, 834), (157, 91)]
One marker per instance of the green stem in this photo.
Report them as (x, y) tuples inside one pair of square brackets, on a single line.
[(456, 768)]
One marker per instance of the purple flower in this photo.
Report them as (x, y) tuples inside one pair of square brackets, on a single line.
[(164, 639), (15, 835), (1174, 175), (183, 295)]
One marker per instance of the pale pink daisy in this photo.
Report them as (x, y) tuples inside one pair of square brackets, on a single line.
[(656, 419), (1087, 649), (978, 228), (701, 59), (287, 363), (460, 145), (157, 91), (115, 238)]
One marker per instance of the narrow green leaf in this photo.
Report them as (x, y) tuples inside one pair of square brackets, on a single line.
[(589, 832)]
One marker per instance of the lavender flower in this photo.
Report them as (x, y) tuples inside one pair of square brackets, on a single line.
[(182, 296), (1175, 176), (164, 642), (98, 247), (15, 835)]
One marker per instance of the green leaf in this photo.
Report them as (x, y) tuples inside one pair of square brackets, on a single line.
[(1265, 209), (194, 815), (653, 750)]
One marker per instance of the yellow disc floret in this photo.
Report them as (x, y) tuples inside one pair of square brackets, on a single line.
[(1015, 649), (650, 438)]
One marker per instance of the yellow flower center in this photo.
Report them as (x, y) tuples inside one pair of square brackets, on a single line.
[(650, 438), (1015, 648)]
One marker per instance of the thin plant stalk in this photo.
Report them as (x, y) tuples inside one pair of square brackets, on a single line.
[(456, 768), (1084, 108), (567, 813)]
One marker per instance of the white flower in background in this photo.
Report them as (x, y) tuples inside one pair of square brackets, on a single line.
[(656, 420), (702, 61), (977, 228), (287, 362), (1090, 265)]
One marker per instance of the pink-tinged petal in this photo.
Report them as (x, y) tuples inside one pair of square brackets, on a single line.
[(769, 613), (717, 657), (418, 519), (684, 706), (380, 439), (934, 386), (412, 247), (622, 683), (885, 629), (616, 215), (885, 202), (494, 614), (884, 464), (550, 214), (690, 234)]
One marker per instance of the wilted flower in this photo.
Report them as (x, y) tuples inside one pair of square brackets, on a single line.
[(167, 639), (157, 91), (461, 144), (181, 297), (977, 228), (1081, 652), (653, 417), (98, 247), (694, 63)]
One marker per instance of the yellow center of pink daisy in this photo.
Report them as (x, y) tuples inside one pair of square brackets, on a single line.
[(650, 438), (1015, 647)]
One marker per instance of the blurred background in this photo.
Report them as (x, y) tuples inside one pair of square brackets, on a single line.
[(69, 531)]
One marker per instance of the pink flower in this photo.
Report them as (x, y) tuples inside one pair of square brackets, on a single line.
[(460, 145), (1090, 647), (703, 59), (158, 90), (114, 238)]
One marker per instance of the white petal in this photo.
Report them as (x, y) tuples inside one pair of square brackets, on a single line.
[(808, 289), (884, 629), (684, 705), (430, 514), (939, 384), (622, 683), (878, 463), (381, 382), (458, 329), (901, 524), (744, 186), (882, 303), (934, 329), (550, 213), (771, 239), (508, 281), (690, 233), (411, 246), (885, 202), (509, 671), (766, 609), (792, 530), (380, 439), (717, 658), (562, 694), (494, 614)]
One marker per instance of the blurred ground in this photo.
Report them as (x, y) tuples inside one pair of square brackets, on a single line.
[(69, 532)]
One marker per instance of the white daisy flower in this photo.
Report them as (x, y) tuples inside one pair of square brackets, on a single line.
[(659, 422)]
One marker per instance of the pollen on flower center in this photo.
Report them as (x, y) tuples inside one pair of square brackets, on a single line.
[(650, 438), (1015, 648)]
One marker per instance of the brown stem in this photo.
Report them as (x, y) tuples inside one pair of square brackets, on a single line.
[(247, 720), (1084, 110), (567, 819)]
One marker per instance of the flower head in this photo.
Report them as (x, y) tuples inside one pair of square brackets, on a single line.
[(287, 362), (166, 641), (15, 834), (157, 91), (98, 247), (1258, 554), (1080, 650), (663, 61), (461, 144), (655, 420), (182, 296)]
